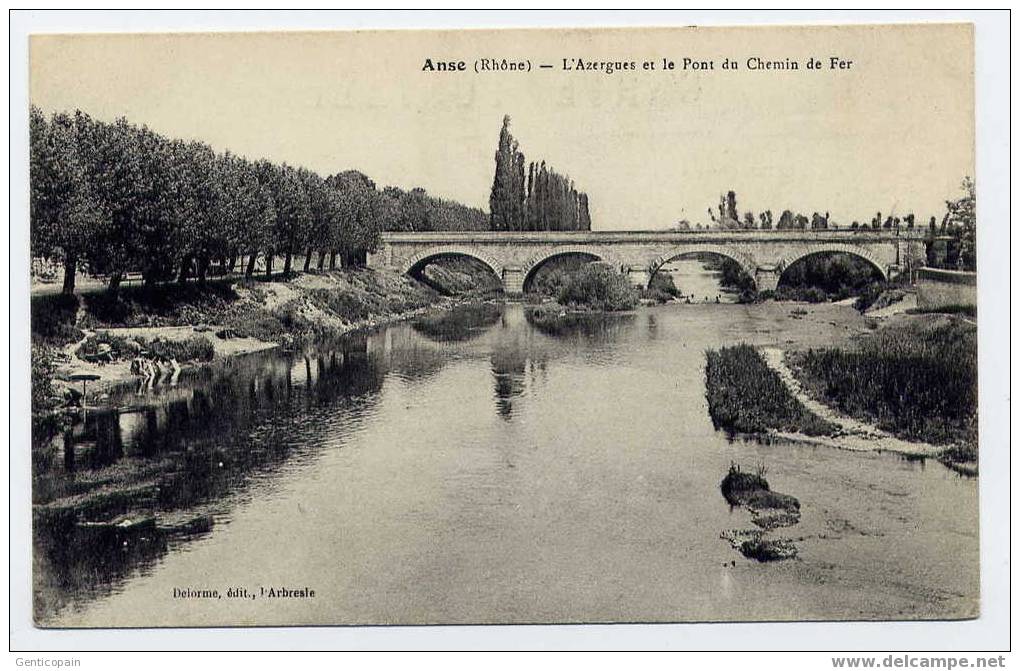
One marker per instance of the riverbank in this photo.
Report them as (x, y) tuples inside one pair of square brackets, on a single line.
[(110, 339)]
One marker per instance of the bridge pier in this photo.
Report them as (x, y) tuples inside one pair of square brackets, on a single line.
[(513, 280), (766, 278), (639, 276)]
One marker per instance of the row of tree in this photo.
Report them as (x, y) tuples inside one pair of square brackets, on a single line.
[(416, 210), (116, 198), (539, 199), (957, 227)]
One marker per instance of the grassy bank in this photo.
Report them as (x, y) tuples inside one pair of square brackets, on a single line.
[(268, 311), (102, 333), (746, 396), (917, 380)]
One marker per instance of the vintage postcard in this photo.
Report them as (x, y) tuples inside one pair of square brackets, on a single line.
[(504, 326)]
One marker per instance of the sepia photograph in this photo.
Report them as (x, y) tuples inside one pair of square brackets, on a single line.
[(516, 326)]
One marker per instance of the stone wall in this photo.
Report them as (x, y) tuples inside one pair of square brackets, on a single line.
[(941, 288)]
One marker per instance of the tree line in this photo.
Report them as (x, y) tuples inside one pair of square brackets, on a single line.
[(117, 198), (536, 199), (956, 233)]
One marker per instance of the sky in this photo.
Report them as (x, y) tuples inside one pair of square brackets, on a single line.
[(893, 132)]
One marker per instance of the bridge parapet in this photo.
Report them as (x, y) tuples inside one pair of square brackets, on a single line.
[(764, 255)]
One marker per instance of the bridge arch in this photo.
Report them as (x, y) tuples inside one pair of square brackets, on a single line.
[(420, 260), (539, 260), (745, 261), (836, 248)]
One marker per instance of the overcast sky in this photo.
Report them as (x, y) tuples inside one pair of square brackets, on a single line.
[(894, 132)]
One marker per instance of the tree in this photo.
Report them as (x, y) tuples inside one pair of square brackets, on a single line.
[(961, 220), (506, 202), (731, 206), (63, 209), (360, 208), (785, 221), (583, 217), (114, 170)]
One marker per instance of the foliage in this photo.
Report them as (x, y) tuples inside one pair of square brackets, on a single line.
[(597, 286), (837, 275), (46, 419), (460, 275), (544, 201), (116, 198), (737, 484), (193, 348), (661, 288), (878, 295), (918, 381), (746, 396), (53, 319), (172, 305), (731, 274), (550, 277), (959, 224), (416, 210)]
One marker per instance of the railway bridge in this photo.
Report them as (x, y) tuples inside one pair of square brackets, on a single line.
[(515, 256)]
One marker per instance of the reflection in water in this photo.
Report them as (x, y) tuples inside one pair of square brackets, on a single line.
[(460, 323), (484, 471), (167, 462), (508, 367)]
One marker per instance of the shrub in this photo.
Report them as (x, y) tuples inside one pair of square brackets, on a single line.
[(550, 277), (53, 319), (550, 283), (745, 395), (194, 348), (661, 288), (46, 420), (598, 287), (737, 484)]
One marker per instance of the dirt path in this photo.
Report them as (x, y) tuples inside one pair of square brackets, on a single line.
[(853, 434)]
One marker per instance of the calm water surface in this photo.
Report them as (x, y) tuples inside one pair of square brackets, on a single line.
[(478, 469)]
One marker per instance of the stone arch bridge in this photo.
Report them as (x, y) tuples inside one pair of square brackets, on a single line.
[(764, 255)]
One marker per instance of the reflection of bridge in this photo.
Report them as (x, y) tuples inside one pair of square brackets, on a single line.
[(514, 257)]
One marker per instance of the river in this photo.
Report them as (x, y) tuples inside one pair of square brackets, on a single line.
[(476, 469)]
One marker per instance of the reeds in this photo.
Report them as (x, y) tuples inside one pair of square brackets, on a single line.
[(918, 381), (746, 396)]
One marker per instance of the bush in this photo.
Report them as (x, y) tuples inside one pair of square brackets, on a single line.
[(159, 305), (554, 274), (661, 288), (745, 395), (194, 348), (599, 287), (46, 420), (53, 319), (738, 484)]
